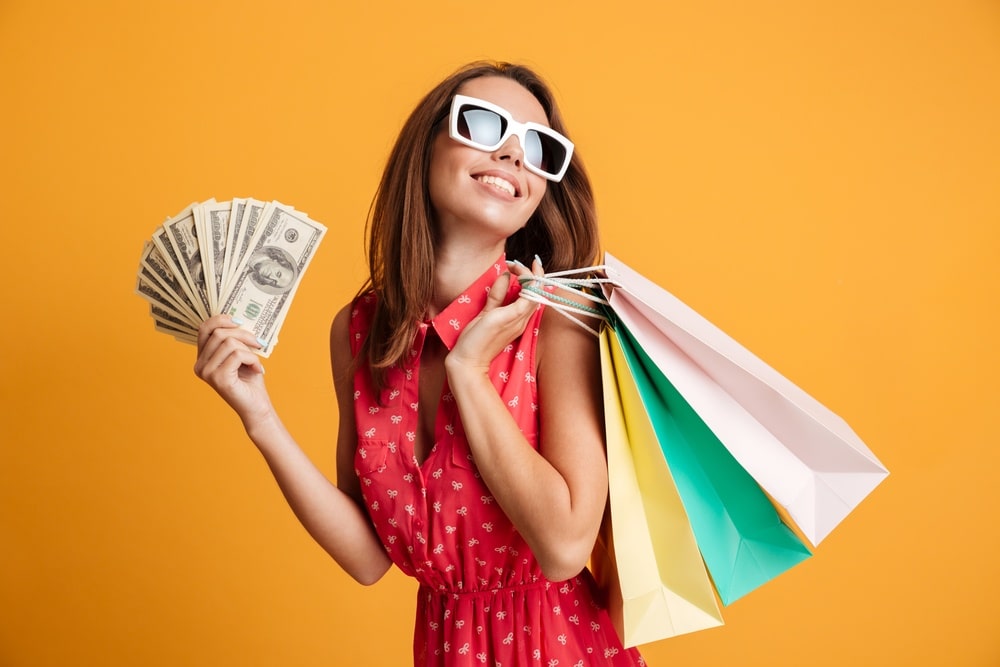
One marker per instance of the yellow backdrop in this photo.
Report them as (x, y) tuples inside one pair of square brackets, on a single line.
[(819, 179)]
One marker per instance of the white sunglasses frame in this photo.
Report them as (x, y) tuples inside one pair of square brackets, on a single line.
[(515, 128)]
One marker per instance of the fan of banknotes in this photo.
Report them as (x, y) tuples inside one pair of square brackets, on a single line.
[(243, 257)]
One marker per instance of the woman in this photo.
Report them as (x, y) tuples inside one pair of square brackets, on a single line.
[(470, 449)]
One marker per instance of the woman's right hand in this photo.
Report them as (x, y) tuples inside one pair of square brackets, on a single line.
[(228, 363)]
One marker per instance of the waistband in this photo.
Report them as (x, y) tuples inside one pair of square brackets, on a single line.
[(429, 593)]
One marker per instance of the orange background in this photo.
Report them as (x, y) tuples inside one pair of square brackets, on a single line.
[(818, 179)]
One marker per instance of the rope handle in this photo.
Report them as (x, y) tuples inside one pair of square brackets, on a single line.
[(587, 288)]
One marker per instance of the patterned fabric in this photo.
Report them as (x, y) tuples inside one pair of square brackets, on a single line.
[(482, 598)]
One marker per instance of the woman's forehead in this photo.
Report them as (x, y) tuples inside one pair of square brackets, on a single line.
[(508, 94)]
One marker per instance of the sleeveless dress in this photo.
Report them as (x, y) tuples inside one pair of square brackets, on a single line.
[(482, 598)]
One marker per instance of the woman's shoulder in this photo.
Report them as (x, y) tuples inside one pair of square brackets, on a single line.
[(567, 333), (357, 309), (567, 311), (352, 321)]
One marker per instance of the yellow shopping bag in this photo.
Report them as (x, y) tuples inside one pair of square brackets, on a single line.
[(648, 559)]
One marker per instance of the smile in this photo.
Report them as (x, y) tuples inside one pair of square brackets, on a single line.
[(499, 183)]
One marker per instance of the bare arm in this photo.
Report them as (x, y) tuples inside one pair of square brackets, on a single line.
[(227, 362), (555, 496)]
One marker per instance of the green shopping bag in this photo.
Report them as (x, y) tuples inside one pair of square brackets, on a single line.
[(740, 535)]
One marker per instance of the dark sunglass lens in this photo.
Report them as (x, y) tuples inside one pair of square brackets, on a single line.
[(534, 151), (481, 126), (544, 152)]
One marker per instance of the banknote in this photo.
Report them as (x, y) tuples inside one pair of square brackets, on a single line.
[(157, 296), (243, 233), (163, 315), (169, 256), (233, 235), (245, 257), (179, 334), (212, 226), (182, 236), (152, 266), (279, 253)]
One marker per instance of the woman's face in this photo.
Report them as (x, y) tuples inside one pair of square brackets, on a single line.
[(486, 192)]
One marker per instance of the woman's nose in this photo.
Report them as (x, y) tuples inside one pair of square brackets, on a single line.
[(510, 150)]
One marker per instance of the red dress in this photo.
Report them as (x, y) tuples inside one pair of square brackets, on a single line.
[(482, 598)]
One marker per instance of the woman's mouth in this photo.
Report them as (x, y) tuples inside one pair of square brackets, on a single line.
[(499, 183)]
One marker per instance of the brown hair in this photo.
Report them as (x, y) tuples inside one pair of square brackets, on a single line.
[(562, 231)]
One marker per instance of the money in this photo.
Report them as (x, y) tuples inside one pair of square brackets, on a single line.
[(241, 232), (244, 257), (281, 249), (212, 222)]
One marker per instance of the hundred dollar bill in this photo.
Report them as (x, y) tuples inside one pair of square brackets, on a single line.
[(241, 233), (165, 316), (152, 292), (178, 239), (169, 255), (212, 223), (269, 275), (237, 206), (154, 267), (182, 336)]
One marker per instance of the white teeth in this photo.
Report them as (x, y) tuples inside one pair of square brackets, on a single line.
[(506, 186)]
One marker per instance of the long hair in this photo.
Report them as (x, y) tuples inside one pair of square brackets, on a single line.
[(562, 231)]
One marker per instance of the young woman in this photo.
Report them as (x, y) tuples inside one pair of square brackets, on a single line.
[(470, 449)]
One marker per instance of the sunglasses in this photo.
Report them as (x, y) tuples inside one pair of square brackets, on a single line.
[(485, 126)]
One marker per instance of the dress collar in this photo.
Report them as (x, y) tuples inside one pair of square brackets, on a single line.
[(450, 322)]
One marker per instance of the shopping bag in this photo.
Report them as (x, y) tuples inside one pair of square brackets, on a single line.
[(811, 465), (647, 559), (806, 457), (741, 537)]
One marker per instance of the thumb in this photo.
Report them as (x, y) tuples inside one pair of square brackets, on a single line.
[(498, 292)]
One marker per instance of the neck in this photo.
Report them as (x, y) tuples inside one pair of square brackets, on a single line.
[(455, 268)]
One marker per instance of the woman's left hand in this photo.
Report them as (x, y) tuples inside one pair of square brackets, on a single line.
[(553, 489), (496, 325)]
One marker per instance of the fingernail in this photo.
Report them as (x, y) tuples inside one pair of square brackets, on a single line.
[(238, 321), (518, 262), (263, 343), (538, 259)]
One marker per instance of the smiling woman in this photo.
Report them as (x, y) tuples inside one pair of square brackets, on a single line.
[(818, 178), (482, 194), (445, 379)]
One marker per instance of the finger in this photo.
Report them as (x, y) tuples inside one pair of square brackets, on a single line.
[(514, 315), (223, 364), (218, 339), (523, 272), (517, 268), (498, 292), (213, 323), (241, 363), (224, 339), (536, 268)]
